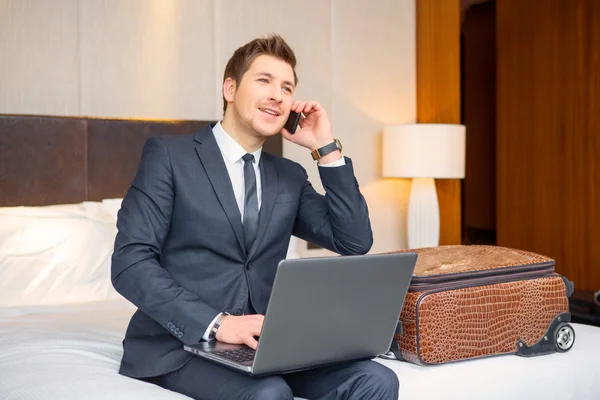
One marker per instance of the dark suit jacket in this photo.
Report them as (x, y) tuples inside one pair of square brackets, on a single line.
[(179, 253)]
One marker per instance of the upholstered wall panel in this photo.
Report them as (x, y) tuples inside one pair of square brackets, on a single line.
[(63, 160), (115, 149), (39, 67), (43, 160), (147, 59)]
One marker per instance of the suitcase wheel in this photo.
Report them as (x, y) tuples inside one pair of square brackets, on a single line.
[(564, 337)]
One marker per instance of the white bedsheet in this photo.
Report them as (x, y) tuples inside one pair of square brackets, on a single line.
[(73, 352), (68, 352)]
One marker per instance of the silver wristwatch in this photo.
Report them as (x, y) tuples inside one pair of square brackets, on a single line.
[(213, 331)]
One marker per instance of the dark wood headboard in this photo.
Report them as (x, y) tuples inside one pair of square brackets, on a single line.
[(61, 160)]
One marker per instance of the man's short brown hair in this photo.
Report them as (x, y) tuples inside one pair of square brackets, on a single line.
[(242, 58)]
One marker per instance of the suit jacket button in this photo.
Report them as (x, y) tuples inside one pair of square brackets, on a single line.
[(237, 311), (169, 325), (248, 267)]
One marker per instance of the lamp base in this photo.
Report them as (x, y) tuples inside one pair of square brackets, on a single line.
[(423, 214)]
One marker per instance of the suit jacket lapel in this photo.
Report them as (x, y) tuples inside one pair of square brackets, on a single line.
[(270, 188), (214, 165)]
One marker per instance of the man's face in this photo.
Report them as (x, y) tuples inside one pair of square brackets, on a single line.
[(262, 100)]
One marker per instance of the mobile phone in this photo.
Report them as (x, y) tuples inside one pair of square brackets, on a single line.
[(292, 123)]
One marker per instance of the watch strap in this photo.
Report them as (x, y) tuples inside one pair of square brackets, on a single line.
[(213, 331), (320, 152)]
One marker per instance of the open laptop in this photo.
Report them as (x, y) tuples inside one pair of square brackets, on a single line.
[(323, 311)]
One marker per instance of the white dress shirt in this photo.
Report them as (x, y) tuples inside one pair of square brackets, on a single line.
[(232, 153)]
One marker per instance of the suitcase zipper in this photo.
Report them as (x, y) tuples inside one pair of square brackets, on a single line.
[(480, 278)]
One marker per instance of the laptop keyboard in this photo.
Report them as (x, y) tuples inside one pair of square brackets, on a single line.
[(238, 355)]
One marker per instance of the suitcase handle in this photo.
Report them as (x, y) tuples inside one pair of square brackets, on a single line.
[(399, 328), (569, 286), (394, 353)]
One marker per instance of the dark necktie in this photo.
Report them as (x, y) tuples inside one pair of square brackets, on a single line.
[(250, 203)]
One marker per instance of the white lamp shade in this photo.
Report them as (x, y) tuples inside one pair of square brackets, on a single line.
[(424, 151)]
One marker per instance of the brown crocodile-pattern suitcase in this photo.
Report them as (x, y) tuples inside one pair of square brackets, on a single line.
[(467, 302)]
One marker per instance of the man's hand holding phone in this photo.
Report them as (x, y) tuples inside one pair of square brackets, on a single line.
[(315, 128), (241, 329)]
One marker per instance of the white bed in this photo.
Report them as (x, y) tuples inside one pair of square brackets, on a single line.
[(61, 325), (73, 352)]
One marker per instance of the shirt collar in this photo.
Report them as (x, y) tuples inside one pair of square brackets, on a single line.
[(232, 150)]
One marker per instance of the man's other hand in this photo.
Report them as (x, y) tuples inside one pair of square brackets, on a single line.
[(241, 330)]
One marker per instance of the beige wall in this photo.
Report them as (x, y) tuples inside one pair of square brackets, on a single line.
[(165, 59)]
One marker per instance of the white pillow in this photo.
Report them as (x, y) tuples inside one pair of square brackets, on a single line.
[(292, 251), (61, 254), (112, 207), (55, 254)]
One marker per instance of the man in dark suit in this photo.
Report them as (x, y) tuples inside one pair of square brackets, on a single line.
[(205, 223)]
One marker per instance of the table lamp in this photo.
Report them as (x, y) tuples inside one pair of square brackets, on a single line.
[(424, 152)]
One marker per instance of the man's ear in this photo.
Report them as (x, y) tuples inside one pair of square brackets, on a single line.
[(229, 89)]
